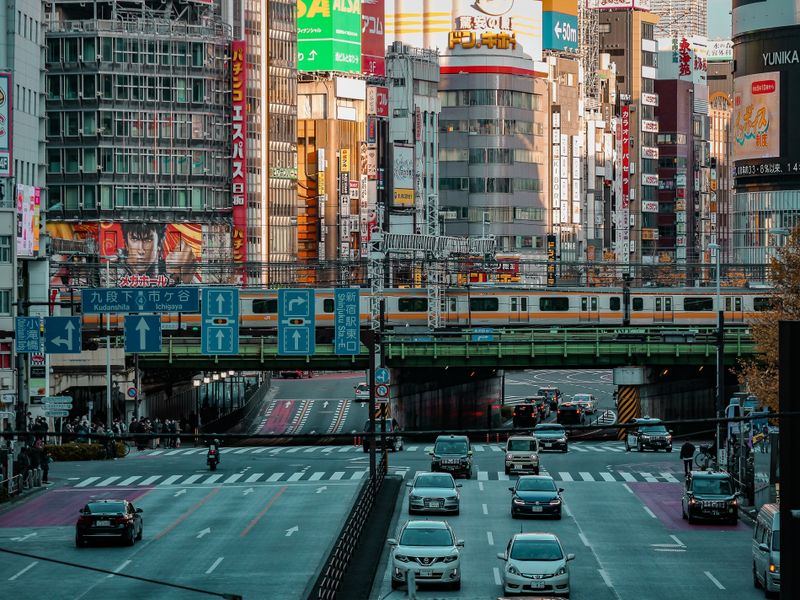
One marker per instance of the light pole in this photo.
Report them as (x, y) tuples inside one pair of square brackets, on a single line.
[(215, 378), (720, 348), (196, 384), (206, 381), (224, 376), (230, 378)]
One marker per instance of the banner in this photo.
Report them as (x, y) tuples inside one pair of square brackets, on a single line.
[(756, 116), (403, 176), (28, 212), (239, 153), (373, 48), (6, 142)]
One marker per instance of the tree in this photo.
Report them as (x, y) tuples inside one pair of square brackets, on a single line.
[(760, 373)]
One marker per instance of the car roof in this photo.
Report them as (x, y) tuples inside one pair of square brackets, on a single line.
[(421, 473), (106, 500), (425, 524), (452, 437), (711, 474), (535, 536), (549, 387), (647, 421), (541, 426), (548, 477), (521, 437)]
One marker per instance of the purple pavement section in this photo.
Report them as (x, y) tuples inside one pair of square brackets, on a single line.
[(664, 500)]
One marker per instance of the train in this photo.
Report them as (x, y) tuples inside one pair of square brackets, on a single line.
[(488, 306)]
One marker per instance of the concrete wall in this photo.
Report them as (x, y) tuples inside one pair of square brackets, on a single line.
[(432, 399), (681, 399)]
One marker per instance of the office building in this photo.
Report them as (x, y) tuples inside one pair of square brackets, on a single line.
[(680, 18), (720, 111)]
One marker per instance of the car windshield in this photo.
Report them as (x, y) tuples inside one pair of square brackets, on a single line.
[(536, 550), (581, 397), (776, 541), (105, 507), (522, 445), (426, 537), (712, 486), (548, 429), (434, 481), (654, 430), (378, 426), (546, 392), (536, 485), (451, 447)]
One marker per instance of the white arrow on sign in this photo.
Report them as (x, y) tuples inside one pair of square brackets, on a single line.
[(142, 327), (292, 530), (67, 342), (23, 538), (220, 302), (248, 491), (296, 338), (203, 533), (179, 493), (557, 29), (220, 339), (322, 489), (300, 301), (312, 55)]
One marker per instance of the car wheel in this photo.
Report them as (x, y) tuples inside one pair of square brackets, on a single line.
[(513, 515), (507, 471), (457, 585), (756, 582), (683, 513), (690, 518), (457, 512), (627, 448), (141, 533), (669, 449), (130, 539), (80, 543), (558, 516), (396, 584), (565, 448), (640, 447), (366, 449)]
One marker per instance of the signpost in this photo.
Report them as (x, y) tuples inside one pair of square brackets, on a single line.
[(62, 335), (296, 322), (346, 320), (382, 390), (157, 300), (220, 321), (57, 406), (27, 337), (483, 334), (383, 375), (142, 333)]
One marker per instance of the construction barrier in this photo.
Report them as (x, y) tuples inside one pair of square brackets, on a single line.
[(629, 406)]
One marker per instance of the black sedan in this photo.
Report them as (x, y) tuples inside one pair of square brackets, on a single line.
[(109, 519), (551, 436), (535, 495)]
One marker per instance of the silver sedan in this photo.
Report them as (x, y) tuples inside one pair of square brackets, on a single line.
[(434, 492)]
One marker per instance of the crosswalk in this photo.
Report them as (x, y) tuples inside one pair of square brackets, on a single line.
[(613, 447), (347, 474)]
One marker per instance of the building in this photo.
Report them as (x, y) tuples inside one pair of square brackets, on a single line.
[(680, 17)]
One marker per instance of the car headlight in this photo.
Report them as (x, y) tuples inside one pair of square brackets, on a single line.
[(401, 557), (692, 501), (669, 438), (773, 568), (451, 558), (512, 570), (645, 438), (413, 498), (534, 459), (562, 571), (562, 440), (518, 501), (509, 457), (734, 503), (555, 502)]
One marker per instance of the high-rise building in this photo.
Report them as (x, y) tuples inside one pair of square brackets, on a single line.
[(720, 111), (687, 18)]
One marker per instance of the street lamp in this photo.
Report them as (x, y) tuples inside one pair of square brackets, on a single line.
[(224, 376), (715, 248), (196, 384)]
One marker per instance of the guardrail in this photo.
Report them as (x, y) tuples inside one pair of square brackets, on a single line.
[(332, 574)]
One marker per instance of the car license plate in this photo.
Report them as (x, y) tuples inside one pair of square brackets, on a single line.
[(547, 444), (536, 509), (537, 585), (516, 466), (714, 513), (102, 523), (434, 503), (426, 573)]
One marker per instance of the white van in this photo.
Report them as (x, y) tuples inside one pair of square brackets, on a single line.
[(767, 550)]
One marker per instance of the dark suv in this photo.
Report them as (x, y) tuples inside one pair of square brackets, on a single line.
[(553, 395), (648, 434), (393, 440), (569, 414), (710, 495), (525, 415), (452, 454), (542, 406)]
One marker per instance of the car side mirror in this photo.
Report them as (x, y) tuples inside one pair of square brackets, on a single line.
[(511, 489), (560, 490), (459, 485), (502, 556), (763, 547), (460, 544), (391, 542), (81, 512), (139, 510), (670, 432), (469, 453), (570, 557), (430, 453), (408, 484)]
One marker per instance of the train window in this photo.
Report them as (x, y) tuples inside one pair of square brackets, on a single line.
[(668, 304), (524, 304), (737, 304), (594, 303), (760, 304), (412, 304), (483, 304), (513, 304), (327, 305), (558, 303), (658, 304), (265, 306), (698, 304), (638, 304), (614, 303), (728, 302), (584, 303), (452, 305)]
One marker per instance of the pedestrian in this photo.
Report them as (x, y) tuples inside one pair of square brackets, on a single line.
[(45, 465), (765, 439), (687, 453)]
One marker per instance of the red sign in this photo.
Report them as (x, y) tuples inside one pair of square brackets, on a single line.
[(378, 101), (684, 60), (373, 48), (766, 86), (239, 152), (626, 158)]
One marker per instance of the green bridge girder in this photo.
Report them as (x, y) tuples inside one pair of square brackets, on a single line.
[(508, 348)]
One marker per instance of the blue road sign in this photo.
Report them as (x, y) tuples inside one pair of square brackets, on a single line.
[(62, 335), (220, 321), (346, 321), (296, 322), (142, 333), (159, 300), (27, 336), (483, 334), (383, 375)]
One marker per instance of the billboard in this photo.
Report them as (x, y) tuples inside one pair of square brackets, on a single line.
[(6, 142), (683, 58), (626, 156), (616, 4), (329, 35), (403, 176), (28, 213), (750, 15), (239, 152), (560, 31), (495, 26), (373, 48), (720, 50), (756, 116)]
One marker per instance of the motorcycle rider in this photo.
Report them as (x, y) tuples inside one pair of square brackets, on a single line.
[(213, 447)]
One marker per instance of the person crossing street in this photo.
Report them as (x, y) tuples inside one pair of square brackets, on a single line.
[(687, 453)]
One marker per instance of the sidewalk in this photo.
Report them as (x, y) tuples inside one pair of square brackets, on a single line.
[(24, 492)]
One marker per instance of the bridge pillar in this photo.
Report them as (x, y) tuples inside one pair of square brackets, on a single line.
[(629, 405)]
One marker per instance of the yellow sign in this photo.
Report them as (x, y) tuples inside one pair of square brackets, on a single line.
[(321, 183), (403, 197), (344, 160), (488, 39)]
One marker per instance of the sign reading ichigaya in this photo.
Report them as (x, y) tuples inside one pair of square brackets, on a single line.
[(239, 151)]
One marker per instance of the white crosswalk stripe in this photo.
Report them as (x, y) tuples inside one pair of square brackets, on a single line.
[(358, 475), (311, 449), (192, 479), (130, 480), (669, 477), (107, 481), (411, 449), (150, 480), (171, 479), (241, 450), (316, 476), (497, 448), (586, 476), (579, 448), (253, 478), (502, 476), (296, 476), (260, 450), (627, 476), (564, 476), (233, 478), (607, 476), (212, 479), (648, 477), (478, 448), (337, 475), (274, 477), (483, 476)]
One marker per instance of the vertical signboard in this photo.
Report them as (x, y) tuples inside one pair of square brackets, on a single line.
[(403, 176), (28, 211), (373, 53), (329, 35), (624, 221), (5, 125), (756, 116), (239, 152), (346, 304), (551, 260)]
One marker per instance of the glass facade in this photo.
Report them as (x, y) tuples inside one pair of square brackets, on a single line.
[(760, 221)]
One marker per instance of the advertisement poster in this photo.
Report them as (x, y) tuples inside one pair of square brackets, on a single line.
[(403, 176), (373, 49), (239, 154), (28, 213), (756, 116), (329, 35)]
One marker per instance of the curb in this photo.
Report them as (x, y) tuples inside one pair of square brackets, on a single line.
[(8, 504)]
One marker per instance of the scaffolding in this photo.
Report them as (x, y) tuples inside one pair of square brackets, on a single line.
[(588, 24)]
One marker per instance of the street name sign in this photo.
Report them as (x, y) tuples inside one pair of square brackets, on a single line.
[(27, 335), (220, 321), (296, 322), (122, 300), (346, 321)]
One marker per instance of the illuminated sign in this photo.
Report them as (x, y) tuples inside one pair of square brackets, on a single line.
[(626, 157), (6, 160), (239, 151), (329, 35), (551, 260), (756, 116)]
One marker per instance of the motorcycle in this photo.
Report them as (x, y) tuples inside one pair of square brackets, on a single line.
[(212, 458)]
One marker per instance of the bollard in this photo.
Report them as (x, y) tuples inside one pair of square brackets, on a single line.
[(411, 580), (37, 477)]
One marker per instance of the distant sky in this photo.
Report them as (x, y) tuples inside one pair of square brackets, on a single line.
[(719, 19)]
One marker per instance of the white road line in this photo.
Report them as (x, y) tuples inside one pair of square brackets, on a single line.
[(648, 477), (677, 541), (233, 478), (625, 485), (337, 476), (478, 448), (130, 480), (564, 476), (497, 579), (428, 449), (191, 479), (613, 449), (107, 481), (485, 509), (714, 580), (412, 448), (171, 479), (596, 448), (607, 476), (566, 509), (578, 448), (151, 480), (295, 449), (584, 540), (212, 479), (25, 570), (480, 485), (670, 549), (358, 475), (316, 476), (327, 450), (490, 538), (345, 449), (296, 476), (156, 452), (496, 448), (605, 577), (627, 476), (86, 482), (483, 476), (172, 452), (242, 450), (226, 450), (254, 477), (214, 565), (259, 451), (669, 477), (119, 568), (311, 449), (586, 476), (274, 477), (502, 476), (649, 512)]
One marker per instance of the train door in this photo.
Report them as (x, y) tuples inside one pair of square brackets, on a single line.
[(589, 309), (734, 311), (519, 309), (662, 311)]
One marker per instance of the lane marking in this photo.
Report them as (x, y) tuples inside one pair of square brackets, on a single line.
[(118, 569), (25, 570), (358, 475), (260, 450), (490, 538), (188, 513), (107, 481), (86, 482), (669, 477), (485, 509), (233, 478), (214, 565), (584, 540), (171, 479), (212, 479), (669, 549), (337, 476), (649, 512), (172, 452), (480, 485), (564, 476), (264, 510), (677, 541), (714, 580), (566, 509), (625, 485), (502, 476), (648, 477), (497, 579), (311, 449), (627, 476), (483, 476), (316, 476), (607, 476), (191, 479), (253, 477), (274, 477), (130, 480), (226, 450), (295, 449), (296, 476), (605, 577), (412, 449), (579, 449), (586, 476), (241, 450), (150, 480)]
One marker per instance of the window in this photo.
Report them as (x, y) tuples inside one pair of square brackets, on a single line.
[(551, 304), (761, 304), (412, 305), (614, 303), (328, 305), (483, 304), (268, 306), (698, 304), (638, 304), (5, 302), (5, 249)]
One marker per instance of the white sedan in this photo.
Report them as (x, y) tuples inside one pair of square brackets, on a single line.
[(362, 391), (586, 401), (536, 564), (429, 549)]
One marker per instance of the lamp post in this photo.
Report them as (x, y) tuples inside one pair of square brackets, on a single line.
[(196, 384), (715, 248), (231, 373), (215, 378), (224, 376)]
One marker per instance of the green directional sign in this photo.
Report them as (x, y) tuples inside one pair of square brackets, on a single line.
[(329, 35)]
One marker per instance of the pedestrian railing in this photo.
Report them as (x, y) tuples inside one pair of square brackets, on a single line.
[(10, 487)]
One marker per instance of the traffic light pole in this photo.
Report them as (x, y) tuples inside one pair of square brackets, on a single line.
[(371, 345)]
